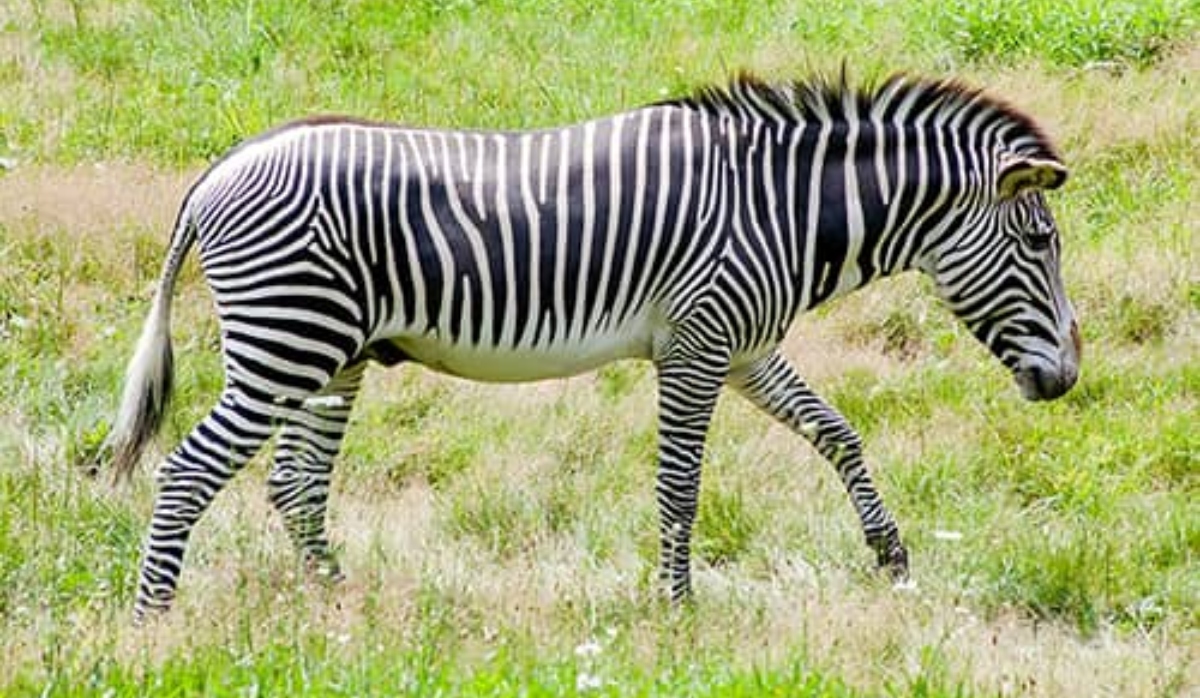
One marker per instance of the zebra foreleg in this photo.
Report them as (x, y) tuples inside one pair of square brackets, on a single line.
[(189, 479), (298, 485), (687, 393), (775, 387)]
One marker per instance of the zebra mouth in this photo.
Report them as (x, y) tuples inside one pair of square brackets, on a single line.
[(1038, 382)]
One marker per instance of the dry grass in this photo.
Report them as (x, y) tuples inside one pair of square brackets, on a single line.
[(556, 597), (1093, 110), (92, 202)]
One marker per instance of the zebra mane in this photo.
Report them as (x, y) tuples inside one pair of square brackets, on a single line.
[(834, 99)]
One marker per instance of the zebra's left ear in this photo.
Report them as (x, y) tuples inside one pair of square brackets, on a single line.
[(1019, 173)]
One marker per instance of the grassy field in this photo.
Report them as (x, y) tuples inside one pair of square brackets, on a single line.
[(501, 540)]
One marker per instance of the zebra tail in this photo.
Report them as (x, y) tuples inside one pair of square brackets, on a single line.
[(149, 376)]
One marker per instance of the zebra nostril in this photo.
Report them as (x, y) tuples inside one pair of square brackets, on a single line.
[(1040, 382)]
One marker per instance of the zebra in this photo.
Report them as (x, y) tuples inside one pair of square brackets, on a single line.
[(689, 232)]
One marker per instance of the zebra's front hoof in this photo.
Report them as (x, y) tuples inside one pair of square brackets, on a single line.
[(894, 559), (891, 555), (896, 563)]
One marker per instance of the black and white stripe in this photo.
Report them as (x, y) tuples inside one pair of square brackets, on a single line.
[(689, 233)]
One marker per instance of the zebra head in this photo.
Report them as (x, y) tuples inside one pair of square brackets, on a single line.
[(1002, 278)]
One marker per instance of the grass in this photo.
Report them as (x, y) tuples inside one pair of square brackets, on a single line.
[(213, 71), (501, 540), (1078, 33)]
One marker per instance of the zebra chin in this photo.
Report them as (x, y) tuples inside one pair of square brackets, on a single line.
[(1039, 381)]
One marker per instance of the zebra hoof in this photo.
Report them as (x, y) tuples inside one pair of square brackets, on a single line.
[(325, 570), (894, 560), (891, 556), (145, 614)]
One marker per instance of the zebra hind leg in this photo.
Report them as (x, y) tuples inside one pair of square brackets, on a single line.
[(298, 485), (200, 466), (773, 385)]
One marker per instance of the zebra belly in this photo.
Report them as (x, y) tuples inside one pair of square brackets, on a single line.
[(515, 364)]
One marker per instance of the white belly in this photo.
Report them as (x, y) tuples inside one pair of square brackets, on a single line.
[(634, 339)]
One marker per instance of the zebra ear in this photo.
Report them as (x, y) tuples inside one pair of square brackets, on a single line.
[(1018, 174)]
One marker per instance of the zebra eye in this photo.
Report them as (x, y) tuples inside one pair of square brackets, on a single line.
[(1039, 240)]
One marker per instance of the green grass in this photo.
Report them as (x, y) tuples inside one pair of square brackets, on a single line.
[(212, 72), (501, 540), (323, 667), (1078, 33)]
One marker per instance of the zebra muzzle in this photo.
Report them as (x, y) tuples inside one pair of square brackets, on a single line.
[(1043, 380)]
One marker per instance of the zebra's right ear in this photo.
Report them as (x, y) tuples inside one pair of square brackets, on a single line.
[(1020, 173)]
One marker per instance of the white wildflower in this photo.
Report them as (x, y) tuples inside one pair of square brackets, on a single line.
[(591, 648), (588, 682), (947, 535)]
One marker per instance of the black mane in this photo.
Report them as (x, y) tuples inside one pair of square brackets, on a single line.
[(835, 99)]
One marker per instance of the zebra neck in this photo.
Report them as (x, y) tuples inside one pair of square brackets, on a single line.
[(838, 205)]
